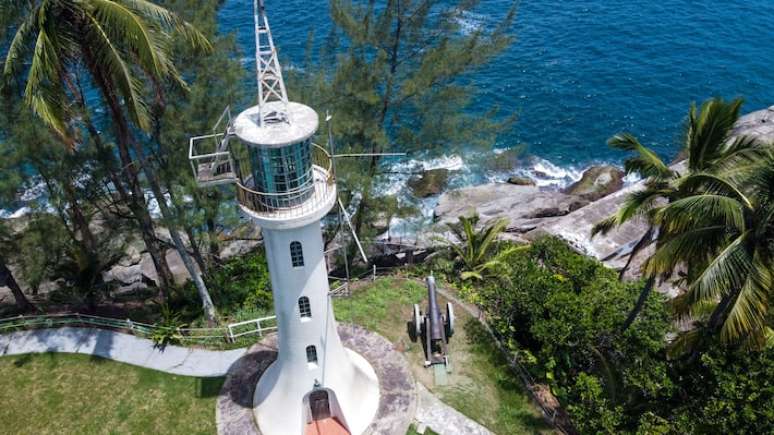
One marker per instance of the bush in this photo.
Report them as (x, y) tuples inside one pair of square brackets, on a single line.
[(239, 288), (562, 313)]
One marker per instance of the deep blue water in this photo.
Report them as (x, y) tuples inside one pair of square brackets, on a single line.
[(583, 70)]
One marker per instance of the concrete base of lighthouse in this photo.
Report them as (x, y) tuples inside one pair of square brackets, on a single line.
[(235, 412), (353, 390)]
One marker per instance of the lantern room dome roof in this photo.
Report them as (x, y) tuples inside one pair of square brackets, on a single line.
[(303, 125)]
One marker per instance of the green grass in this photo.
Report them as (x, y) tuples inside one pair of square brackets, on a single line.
[(79, 394), (481, 384), (413, 431)]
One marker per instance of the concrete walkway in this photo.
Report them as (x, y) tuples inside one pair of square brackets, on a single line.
[(121, 347), (442, 418)]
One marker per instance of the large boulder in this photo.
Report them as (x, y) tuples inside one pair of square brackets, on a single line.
[(525, 207), (520, 181), (598, 182), (431, 182)]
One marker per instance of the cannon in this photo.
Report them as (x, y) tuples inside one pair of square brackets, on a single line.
[(433, 328)]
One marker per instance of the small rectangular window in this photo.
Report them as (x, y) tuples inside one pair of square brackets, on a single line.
[(304, 307), (296, 254), (311, 355)]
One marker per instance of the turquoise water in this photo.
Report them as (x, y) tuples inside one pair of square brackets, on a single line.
[(583, 70), (580, 71)]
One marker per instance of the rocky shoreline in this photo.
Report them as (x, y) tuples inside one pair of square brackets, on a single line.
[(571, 213), (531, 211)]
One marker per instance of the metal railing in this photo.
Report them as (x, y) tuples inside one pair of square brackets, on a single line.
[(210, 168), (226, 334), (295, 202), (258, 327)]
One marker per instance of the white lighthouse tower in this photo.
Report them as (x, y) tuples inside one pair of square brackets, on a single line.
[(285, 184)]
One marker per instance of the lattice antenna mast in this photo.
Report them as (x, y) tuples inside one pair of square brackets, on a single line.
[(272, 96)]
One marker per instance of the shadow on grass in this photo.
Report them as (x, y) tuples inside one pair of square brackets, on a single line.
[(209, 387), (22, 361), (483, 344)]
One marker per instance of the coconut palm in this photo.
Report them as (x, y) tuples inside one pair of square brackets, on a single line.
[(476, 247), (709, 147), (722, 235), (124, 46)]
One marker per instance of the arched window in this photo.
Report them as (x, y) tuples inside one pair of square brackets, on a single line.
[(311, 355), (304, 308), (297, 254)]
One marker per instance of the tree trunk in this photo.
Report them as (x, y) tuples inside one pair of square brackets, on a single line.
[(212, 236), (638, 247), (207, 305), (649, 284), (7, 280), (197, 253), (79, 218), (135, 200)]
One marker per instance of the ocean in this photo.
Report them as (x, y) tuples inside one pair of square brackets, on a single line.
[(581, 71)]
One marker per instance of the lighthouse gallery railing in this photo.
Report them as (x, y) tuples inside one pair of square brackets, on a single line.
[(286, 204)]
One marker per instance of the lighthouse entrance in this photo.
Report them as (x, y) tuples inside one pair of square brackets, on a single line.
[(322, 414)]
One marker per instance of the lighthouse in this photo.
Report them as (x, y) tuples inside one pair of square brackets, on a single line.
[(285, 184)]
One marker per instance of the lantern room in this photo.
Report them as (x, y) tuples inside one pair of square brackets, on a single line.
[(278, 168)]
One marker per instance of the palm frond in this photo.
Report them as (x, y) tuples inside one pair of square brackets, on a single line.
[(709, 132), (129, 87), (170, 20), (747, 316), (690, 245), (490, 234), (605, 226), (647, 163), (727, 271), (701, 210), (43, 92), (713, 184), (684, 343), (22, 37), (125, 27)]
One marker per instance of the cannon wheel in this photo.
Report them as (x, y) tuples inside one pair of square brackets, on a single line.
[(449, 320), (417, 322)]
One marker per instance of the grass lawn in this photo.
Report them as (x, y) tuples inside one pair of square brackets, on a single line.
[(79, 394), (481, 384)]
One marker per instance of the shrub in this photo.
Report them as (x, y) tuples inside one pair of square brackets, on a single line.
[(562, 313), (239, 287)]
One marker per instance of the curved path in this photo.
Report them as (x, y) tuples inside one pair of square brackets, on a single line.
[(123, 348)]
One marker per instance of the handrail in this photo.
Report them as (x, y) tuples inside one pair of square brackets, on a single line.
[(144, 330), (302, 189)]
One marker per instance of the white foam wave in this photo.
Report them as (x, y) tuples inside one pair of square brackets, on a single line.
[(547, 174), (470, 22)]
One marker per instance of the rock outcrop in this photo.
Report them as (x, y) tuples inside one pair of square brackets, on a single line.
[(431, 182), (759, 124), (598, 182), (525, 207), (520, 181)]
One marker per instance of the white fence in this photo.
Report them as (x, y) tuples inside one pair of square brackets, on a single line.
[(256, 326), (190, 335)]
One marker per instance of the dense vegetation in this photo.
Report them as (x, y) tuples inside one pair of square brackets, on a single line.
[(562, 314)]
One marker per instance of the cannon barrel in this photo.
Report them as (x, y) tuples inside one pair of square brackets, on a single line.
[(434, 314)]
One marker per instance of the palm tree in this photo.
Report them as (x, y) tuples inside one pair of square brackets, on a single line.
[(475, 248), (124, 45), (723, 236), (709, 147)]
